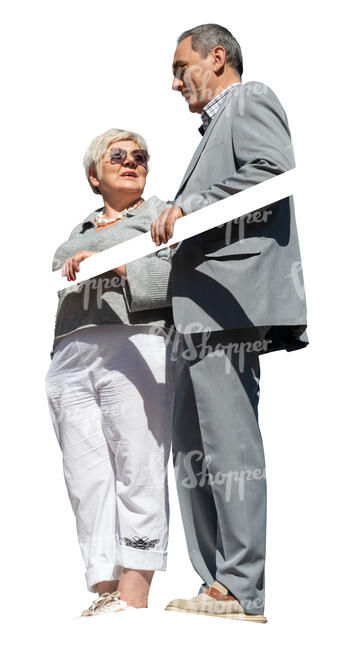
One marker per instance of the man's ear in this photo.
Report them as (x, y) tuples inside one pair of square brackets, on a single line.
[(219, 58), (92, 175)]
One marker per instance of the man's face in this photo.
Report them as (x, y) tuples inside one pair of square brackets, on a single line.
[(193, 76)]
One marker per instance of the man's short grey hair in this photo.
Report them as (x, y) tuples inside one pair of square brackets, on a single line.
[(99, 146), (206, 37)]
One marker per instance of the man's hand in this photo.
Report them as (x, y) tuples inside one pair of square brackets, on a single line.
[(162, 228), (71, 265)]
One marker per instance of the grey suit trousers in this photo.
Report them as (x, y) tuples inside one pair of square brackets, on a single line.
[(219, 461)]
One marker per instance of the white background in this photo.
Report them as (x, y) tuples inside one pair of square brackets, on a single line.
[(71, 70)]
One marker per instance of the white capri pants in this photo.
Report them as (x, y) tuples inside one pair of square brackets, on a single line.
[(110, 391)]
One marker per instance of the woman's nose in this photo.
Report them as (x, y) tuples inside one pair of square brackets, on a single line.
[(130, 161)]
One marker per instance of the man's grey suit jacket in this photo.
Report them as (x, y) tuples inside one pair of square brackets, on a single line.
[(247, 273)]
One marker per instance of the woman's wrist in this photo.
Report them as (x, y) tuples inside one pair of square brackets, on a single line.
[(122, 271)]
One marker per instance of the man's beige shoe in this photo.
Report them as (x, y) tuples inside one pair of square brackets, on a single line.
[(214, 601)]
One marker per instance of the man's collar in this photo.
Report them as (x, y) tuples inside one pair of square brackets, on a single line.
[(213, 105)]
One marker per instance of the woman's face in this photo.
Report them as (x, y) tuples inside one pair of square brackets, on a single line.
[(126, 176)]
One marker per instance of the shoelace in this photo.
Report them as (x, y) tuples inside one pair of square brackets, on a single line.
[(102, 601)]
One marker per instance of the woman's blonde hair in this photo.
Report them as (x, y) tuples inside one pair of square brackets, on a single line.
[(99, 146)]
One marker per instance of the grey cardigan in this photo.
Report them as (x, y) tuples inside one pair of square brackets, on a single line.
[(144, 298)]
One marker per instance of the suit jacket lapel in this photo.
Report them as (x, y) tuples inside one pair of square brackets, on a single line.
[(200, 148)]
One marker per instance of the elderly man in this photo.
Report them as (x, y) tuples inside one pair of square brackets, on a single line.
[(237, 293)]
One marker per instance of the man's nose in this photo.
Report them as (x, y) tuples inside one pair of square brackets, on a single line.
[(177, 83)]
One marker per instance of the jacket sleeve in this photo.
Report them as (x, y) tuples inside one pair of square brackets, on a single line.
[(262, 148), (148, 283)]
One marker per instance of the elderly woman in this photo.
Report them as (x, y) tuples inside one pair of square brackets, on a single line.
[(110, 383)]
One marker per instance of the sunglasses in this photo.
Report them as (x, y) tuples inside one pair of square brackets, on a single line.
[(118, 156)]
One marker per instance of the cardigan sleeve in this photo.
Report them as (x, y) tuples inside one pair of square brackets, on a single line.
[(148, 284)]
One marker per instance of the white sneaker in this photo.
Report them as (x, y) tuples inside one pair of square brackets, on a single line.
[(106, 604)]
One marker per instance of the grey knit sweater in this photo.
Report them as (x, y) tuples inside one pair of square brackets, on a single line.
[(144, 298)]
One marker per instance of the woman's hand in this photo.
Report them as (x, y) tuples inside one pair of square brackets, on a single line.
[(71, 265), (122, 271), (162, 228)]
